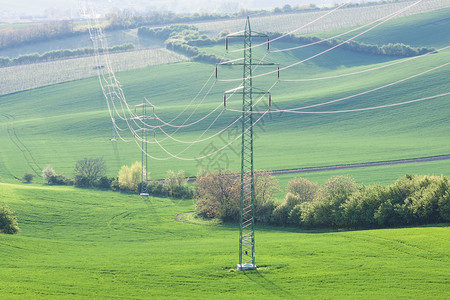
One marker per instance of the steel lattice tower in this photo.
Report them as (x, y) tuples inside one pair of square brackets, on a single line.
[(144, 148), (247, 220)]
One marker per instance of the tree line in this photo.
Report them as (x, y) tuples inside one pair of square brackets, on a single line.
[(12, 37), (183, 39), (186, 39), (339, 203), (58, 54), (396, 49)]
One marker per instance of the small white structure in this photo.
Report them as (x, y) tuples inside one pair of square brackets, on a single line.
[(245, 267)]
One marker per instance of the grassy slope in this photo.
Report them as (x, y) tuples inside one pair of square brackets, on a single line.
[(79, 243), (63, 123)]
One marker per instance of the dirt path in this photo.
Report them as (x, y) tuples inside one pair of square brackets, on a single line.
[(362, 165), (353, 166)]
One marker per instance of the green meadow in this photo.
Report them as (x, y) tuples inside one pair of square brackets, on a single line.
[(84, 243), (78, 243)]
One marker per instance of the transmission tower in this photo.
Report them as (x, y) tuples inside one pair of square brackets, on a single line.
[(247, 220), (144, 147)]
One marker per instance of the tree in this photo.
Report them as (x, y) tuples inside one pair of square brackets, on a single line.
[(8, 222), (129, 178), (303, 188), (47, 173), (27, 177), (88, 170), (219, 195), (175, 182)]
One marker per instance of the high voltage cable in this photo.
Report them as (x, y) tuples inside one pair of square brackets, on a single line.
[(301, 27), (201, 157), (354, 95), (368, 108), (334, 47), (200, 140), (121, 96), (365, 71), (330, 38)]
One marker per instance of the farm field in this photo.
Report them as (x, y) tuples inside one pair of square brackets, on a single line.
[(78, 243), (45, 118), (31, 76)]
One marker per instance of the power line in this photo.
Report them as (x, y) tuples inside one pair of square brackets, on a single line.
[(297, 29), (366, 70), (354, 95), (368, 108), (336, 46)]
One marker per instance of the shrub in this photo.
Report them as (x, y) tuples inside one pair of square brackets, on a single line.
[(175, 182), (47, 173), (8, 222), (444, 206), (129, 178), (88, 170), (219, 194), (303, 188), (282, 211), (27, 177), (158, 189), (360, 209), (104, 182), (60, 179), (326, 209)]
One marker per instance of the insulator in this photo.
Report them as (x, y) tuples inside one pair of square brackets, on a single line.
[(216, 71), (226, 43), (270, 100), (224, 100)]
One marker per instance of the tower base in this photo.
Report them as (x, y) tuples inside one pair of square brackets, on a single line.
[(245, 267)]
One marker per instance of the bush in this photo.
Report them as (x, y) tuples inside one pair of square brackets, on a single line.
[(303, 188), (60, 179), (326, 209), (175, 183), (282, 211), (47, 173), (8, 222), (88, 170), (27, 177), (129, 178), (219, 195), (360, 209), (158, 189), (104, 182)]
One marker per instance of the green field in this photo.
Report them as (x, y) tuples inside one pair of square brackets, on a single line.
[(85, 243), (79, 243)]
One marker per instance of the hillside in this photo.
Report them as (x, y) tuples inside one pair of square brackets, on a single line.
[(60, 124), (78, 243)]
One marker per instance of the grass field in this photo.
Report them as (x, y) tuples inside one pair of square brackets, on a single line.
[(79, 243)]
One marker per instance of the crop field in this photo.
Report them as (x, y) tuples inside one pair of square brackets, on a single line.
[(78, 243), (88, 243), (342, 18), (25, 77)]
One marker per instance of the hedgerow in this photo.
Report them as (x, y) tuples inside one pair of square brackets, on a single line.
[(339, 203)]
